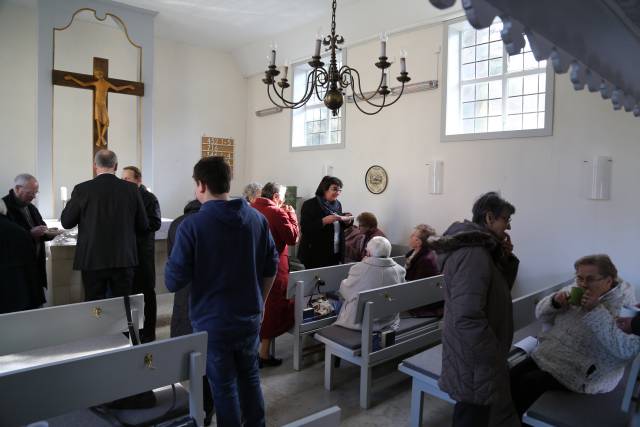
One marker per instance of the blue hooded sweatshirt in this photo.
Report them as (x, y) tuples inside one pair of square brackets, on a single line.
[(224, 251)]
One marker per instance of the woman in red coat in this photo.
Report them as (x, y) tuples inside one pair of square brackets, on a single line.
[(278, 312)]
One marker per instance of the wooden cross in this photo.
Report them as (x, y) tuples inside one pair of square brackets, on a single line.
[(101, 85)]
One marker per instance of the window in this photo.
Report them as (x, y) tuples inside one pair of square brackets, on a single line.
[(490, 94), (313, 125)]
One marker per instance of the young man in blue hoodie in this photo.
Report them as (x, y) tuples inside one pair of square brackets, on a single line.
[(226, 252)]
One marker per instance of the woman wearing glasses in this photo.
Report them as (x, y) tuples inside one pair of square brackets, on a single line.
[(322, 225), (583, 351)]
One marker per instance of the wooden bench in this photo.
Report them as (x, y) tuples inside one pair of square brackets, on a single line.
[(425, 368), (412, 334), (57, 359), (302, 287)]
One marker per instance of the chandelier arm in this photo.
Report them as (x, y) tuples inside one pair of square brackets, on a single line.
[(322, 80), (361, 95), (379, 108), (286, 102)]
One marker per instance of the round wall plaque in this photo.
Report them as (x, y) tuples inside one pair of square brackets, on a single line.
[(376, 179)]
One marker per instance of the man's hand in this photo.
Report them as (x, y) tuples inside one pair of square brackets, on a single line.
[(589, 300), (288, 208), (38, 231), (624, 323), (561, 299)]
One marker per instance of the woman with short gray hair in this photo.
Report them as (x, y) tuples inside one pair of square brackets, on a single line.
[(251, 192)]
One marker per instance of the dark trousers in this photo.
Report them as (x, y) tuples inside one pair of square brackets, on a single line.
[(232, 369), (528, 383), (470, 415), (108, 282), (144, 282)]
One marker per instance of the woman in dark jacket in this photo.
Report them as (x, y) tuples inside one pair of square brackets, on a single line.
[(322, 224), (421, 260)]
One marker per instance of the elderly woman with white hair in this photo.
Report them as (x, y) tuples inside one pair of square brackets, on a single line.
[(252, 191), (376, 270)]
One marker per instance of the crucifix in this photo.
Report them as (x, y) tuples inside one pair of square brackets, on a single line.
[(101, 85)]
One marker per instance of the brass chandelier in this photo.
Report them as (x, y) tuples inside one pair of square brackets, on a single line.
[(330, 84)]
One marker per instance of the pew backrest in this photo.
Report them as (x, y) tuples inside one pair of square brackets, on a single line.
[(69, 385), (392, 299), (332, 276), (524, 307), (27, 330)]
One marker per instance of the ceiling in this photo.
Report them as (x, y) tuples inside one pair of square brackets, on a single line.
[(230, 24)]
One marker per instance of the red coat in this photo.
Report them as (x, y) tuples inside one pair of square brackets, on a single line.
[(278, 313)]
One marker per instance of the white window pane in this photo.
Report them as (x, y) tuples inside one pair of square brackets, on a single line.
[(495, 50), (316, 114), (494, 124), (481, 125), (515, 63), (514, 122), (468, 93), (495, 67), (530, 104), (514, 86), (542, 64), (494, 31), (495, 107), (530, 121), (495, 89), (482, 52), (308, 115), (323, 113), (540, 120), (530, 84), (316, 139), (482, 91), (468, 38), (530, 62), (542, 82), (468, 110), (467, 126), (514, 105), (527, 46), (541, 102), (335, 137), (482, 69), (469, 71), (482, 36), (482, 108), (468, 54), (334, 124), (316, 127)]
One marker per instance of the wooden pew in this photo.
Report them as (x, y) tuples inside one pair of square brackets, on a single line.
[(425, 368), (330, 417), (301, 287), (412, 334)]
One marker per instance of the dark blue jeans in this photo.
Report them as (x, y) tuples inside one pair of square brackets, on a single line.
[(232, 369)]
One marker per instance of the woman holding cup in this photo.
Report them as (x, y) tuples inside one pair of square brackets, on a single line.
[(582, 351)]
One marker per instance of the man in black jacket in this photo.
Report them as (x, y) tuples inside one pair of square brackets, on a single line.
[(23, 213), (144, 279), (108, 212)]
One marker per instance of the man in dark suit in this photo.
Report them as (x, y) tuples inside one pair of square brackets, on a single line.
[(144, 279), (23, 213), (108, 212)]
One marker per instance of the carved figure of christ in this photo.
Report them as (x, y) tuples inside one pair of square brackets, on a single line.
[(101, 85)]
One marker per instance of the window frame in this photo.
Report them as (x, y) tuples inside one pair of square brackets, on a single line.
[(505, 134), (325, 58)]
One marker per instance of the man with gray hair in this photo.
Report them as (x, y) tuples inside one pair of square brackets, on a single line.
[(108, 211), (23, 213)]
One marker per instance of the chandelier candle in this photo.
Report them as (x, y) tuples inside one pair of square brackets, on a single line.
[(333, 83)]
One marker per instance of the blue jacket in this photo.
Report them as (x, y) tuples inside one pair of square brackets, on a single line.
[(224, 250)]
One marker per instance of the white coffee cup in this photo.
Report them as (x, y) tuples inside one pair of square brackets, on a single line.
[(627, 311)]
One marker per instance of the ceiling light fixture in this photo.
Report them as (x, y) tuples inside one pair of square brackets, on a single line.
[(330, 85)]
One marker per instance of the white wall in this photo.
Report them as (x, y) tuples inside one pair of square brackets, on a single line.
[(197, 90), (17, 92), (554, 224)]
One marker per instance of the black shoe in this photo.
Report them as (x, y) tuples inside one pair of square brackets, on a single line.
[(271, 361), (208, 417)]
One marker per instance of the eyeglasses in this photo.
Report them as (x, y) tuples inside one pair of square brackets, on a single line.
[(588, 280), (506, 220), (335, 189)]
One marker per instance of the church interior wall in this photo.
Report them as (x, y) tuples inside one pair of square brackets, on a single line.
[(554, 223)]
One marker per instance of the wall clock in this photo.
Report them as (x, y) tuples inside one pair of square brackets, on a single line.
[(376, 179)]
